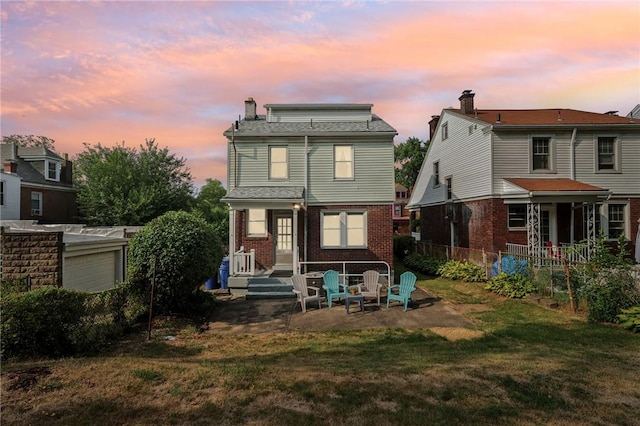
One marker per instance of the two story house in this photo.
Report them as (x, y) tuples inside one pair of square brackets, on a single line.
[(46, 192), (401, 215), (309, 183), (528, 179)]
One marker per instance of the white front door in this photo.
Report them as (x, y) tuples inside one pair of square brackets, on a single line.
[(283, 238)]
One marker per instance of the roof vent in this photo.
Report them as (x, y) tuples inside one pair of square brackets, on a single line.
[(498, 120), (611, 112)]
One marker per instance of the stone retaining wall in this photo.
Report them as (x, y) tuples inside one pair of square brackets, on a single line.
[(36, 256)]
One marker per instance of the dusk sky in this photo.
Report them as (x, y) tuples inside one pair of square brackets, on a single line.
[(179, 71)]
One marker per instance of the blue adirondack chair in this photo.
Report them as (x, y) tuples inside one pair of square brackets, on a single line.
[(333, 289), (405, 288)]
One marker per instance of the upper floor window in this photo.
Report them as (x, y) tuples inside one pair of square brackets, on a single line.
[(517, 215), (344, 229), (397, 209), (401, 194), (1, 193), (445, 131), (278, 162), (36, 204), (343, 161), (542, 154), (607, 155), (256, 222), (436, 173), (52, 170), (448, 183)]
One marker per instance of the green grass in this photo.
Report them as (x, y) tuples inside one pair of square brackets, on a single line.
[(531, 365)]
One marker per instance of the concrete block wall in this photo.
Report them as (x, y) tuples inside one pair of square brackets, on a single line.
[(37, 255)]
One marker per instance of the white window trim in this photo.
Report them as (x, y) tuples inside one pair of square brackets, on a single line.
[(448, 187), (38, 211), (436, 164), (445, 130), (286, 148), (248, 220), (47, 163), (552, 154), (616, 153), (335, 161), (517, 228), (343, 229), (604, 218)]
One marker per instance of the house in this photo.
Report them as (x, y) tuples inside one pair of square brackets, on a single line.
[(401, 215), (309, 183), (497, 179), (46, 185)]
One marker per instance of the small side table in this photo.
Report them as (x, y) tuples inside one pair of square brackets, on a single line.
[(354, 298)]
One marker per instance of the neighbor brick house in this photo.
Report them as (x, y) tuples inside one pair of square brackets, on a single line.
[(532, 178), (309, 183), (46, 185)]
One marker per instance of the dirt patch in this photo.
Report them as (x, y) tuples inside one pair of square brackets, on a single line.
[(470, 308), (25, 379), (457, 333)]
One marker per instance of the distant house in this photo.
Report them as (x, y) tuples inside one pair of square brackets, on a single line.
[(528, 179), (401, 216), (46, 185), (309, 183)]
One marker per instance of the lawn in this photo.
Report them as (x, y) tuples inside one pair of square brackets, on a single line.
[(531, 365)]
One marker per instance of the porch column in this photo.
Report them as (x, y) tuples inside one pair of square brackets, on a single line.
[(294, 237), (590, 211), (533, 229), (232, 239)]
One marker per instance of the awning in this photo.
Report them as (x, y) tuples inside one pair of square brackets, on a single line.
[(271, 197), (551, 190)]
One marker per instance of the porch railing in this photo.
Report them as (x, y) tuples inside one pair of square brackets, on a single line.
[(343, 270), (244, 263), (552, 255)]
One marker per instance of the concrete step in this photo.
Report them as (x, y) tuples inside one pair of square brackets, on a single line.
[(269, 289), (268, 295)]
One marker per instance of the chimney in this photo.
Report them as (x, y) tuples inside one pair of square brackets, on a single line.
[(10, 167), (250, 109), (466, 102), (433, 125)]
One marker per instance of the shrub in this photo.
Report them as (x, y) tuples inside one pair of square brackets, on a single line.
[(40, 322), (630, 319), (423, 264), (182, 251), (466, 271), (403, 245), (511, 285)]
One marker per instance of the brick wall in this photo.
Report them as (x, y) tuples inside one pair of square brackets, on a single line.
[(37, 255)]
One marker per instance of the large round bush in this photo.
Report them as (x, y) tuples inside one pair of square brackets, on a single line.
[(184, 251)]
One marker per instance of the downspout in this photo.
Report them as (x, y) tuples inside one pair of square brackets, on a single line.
[(573, 177), (232, 213), (306, 178)]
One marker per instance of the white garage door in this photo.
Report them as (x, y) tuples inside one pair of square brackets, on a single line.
[(91, 272)]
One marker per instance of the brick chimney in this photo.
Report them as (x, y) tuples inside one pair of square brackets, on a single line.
[(10, 167), (250, 109), (466, 102), (433, 125)]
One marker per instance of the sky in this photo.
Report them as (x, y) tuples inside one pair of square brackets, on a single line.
[(110, 72)]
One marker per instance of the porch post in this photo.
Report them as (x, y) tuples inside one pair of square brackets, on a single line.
[(590, 213), (294, 248), (232, 239), (533, 229)]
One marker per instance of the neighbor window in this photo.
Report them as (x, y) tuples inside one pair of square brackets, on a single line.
[(448, 182), (256, 222), (278, 162), (1, 193), (541, 154), (606, 156), (517, 214), (397, 209), (436, 173), (445, 131), (36, 204), (53, 170), (615, 219), (343, 161), (344, 230)]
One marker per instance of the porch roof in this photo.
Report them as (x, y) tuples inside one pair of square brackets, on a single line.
[(265, 195), (550, 188)]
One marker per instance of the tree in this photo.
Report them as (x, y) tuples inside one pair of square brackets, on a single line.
[(408, 157), (178, 250), (28, 141), (124, 186), (213, 210)]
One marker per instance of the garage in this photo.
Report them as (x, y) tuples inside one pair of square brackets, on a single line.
[(92, 263)]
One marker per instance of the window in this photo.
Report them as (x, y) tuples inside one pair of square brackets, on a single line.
[(344, 229), (278, 162), (445, 131), (36, 204), (541, 154), (1, 193), (436, 173), (256, 222), (343, 161), (517, 214), (53, 170), (397, 209), (615, 220), (448, 182), (607, 147), (401, 194)]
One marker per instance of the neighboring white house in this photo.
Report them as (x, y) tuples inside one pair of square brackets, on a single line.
[(9, 196), (532, 177)]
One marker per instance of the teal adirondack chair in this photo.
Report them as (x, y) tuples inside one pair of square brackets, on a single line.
[(333, 289), (405, 288)]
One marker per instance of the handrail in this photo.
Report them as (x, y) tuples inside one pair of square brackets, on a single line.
[(345, 275), (244, 263)]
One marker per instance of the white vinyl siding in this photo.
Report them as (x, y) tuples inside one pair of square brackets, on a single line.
[(343, 229)]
